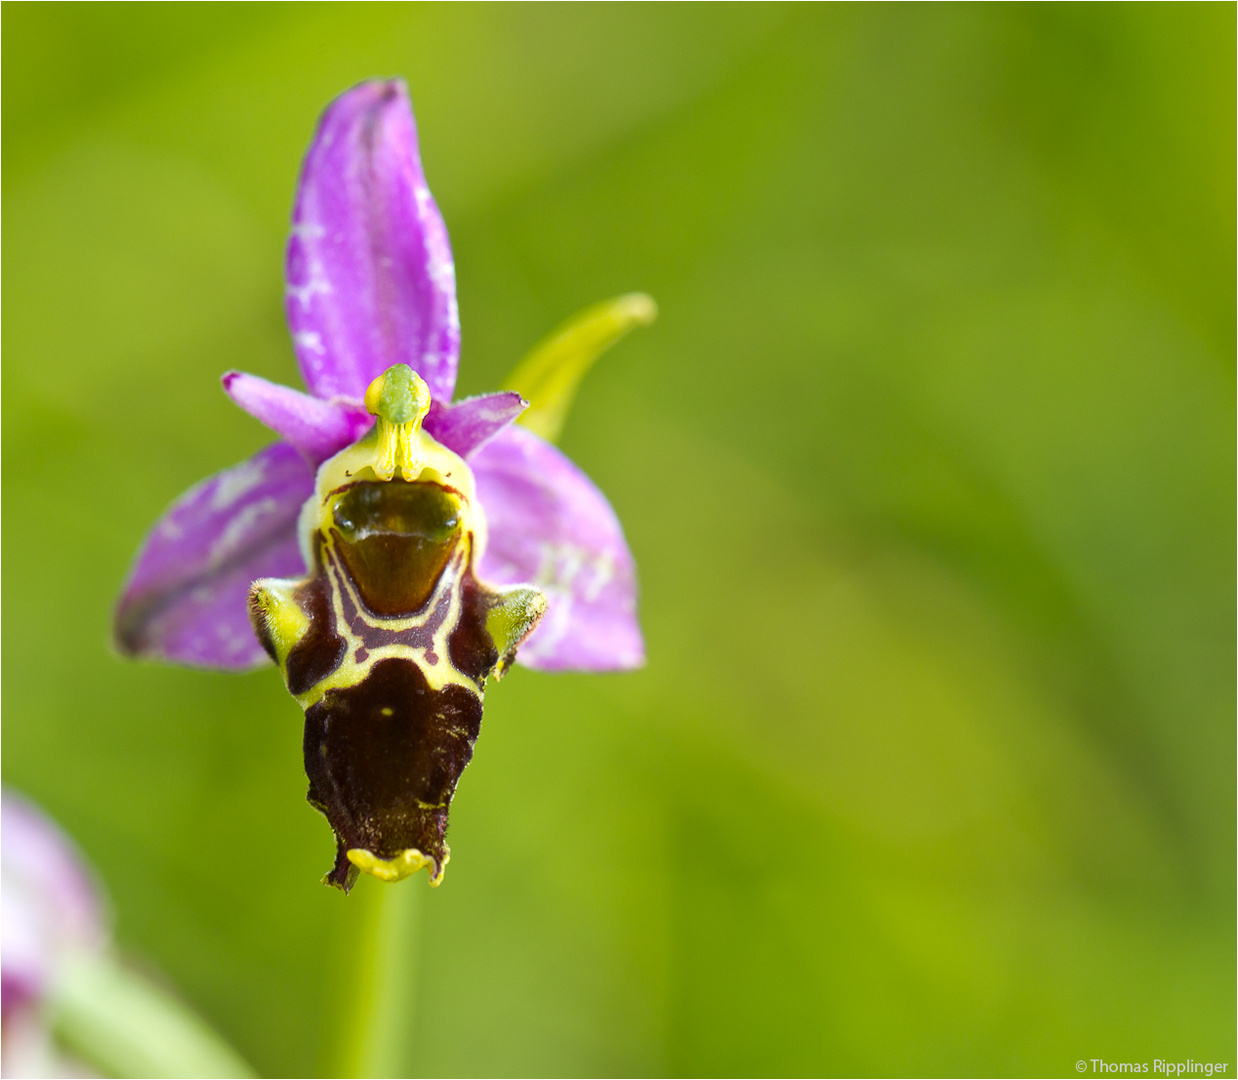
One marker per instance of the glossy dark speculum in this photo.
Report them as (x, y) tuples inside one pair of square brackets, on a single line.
[(395, 539)]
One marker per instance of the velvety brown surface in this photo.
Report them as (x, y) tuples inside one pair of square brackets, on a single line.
[(384, 757)]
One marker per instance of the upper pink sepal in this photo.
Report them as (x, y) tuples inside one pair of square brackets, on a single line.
[(370, 280)]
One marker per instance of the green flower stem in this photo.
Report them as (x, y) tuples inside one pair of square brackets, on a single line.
[(376, 1040)]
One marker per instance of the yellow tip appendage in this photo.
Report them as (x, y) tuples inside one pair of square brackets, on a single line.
[(404, 865)]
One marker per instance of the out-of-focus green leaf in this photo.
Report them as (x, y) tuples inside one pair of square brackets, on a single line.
[(130, 1026)]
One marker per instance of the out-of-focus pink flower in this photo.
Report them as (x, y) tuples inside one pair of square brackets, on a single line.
[(51, 915), (64, 985), (51, 907)]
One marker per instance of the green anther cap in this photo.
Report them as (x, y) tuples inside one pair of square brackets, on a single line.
[(399, 395), (400, 399)]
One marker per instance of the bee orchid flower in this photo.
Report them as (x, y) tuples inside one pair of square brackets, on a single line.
[(395, 548)]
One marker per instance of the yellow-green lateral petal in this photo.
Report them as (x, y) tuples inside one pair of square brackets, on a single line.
[(549, 376)]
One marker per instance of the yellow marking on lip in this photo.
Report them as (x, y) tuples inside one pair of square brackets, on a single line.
[(407, 863), (351, 673)]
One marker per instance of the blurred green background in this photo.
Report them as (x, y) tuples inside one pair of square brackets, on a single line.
[(927, 466)]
